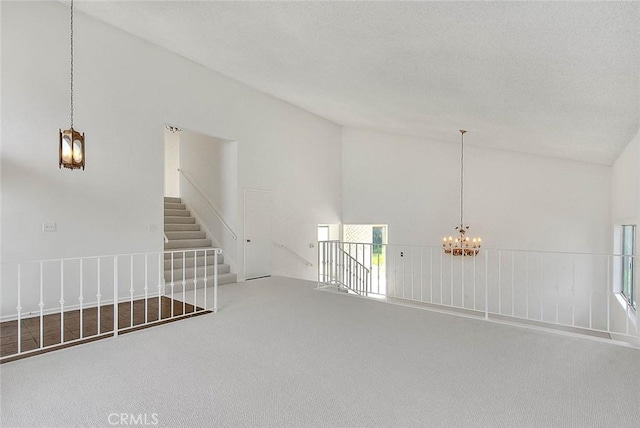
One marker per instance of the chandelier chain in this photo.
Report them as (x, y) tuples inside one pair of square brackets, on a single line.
[(71, 63), (462, 181)]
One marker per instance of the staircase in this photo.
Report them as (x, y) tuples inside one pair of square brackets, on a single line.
[(183, 232)]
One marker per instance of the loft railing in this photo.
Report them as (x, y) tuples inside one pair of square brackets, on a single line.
[(581, 292), (211, 206), (342, 264), (50, 303)]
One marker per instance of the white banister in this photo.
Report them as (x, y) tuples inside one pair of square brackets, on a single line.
[(209, 203), (296, 255), (76, 288), (576, 292)]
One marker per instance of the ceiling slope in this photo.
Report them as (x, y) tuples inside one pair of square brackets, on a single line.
[(552, 78)]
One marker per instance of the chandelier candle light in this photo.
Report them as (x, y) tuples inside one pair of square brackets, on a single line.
[(461, 245), (71, 151)]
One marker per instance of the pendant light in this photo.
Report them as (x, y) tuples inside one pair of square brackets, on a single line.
[(72, 143)]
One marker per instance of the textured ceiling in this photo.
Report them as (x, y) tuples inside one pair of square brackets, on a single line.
[(554, 78)]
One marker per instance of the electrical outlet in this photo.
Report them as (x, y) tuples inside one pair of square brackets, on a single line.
[(153, 227), (49, 226)]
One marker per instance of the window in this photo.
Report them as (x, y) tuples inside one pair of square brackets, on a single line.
[(628, 264), (323, 233)]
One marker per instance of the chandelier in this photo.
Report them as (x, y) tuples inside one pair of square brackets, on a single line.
[(461, 245), (71, 147)]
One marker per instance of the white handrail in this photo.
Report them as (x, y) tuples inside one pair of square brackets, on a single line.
[(358, 263), (203, 224), (284, 247), (107, 282), (571, 290), (211, 206)]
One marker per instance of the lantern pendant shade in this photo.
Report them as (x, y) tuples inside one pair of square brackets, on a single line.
[(71, 149)]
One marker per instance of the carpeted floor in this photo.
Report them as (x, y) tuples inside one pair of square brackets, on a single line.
[(279, 353)]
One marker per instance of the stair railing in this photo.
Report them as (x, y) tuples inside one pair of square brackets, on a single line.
[(212, 207), (296, 255), (338, 267), (229, 260)]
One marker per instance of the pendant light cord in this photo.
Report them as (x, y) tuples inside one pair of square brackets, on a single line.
[(71, 63)]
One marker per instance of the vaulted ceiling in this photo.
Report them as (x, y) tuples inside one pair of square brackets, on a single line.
[(552, 78)]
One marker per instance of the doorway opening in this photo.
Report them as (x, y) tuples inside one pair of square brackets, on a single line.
[(201, 181), (367, 243)]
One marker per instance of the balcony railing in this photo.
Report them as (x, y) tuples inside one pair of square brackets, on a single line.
[(571, 291), (49, 303)]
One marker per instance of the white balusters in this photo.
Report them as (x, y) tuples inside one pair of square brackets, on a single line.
[(39, 296), (146, 289), (184, 280), (131, 290), (513, 283), (81, 301), (206, 253), (98, 297), (115, 296), (41, 304), (526, 285), (61, 301), (430, 275), (499, 282), (474, 281), (486, 284), (19, 309), (195, 278), (215, 280), (160, 283), (172, 283)]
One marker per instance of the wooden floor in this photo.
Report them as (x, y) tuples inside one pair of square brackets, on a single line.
[(51, 335)]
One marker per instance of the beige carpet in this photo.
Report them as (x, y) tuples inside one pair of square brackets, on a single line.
[(282, 354)]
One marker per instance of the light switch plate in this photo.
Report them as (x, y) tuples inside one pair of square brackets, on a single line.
[(48, 226)]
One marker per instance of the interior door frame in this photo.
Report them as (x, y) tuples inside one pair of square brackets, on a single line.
[(244, 223)]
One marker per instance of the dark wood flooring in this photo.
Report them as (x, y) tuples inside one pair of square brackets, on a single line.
[(30, 327)]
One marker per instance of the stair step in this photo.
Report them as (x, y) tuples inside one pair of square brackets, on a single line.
[(172, 199), (225, 278), (174, 206), (186, 235), (188, 272), (189, 260), (181, 227), (187, 243), (179, 220), (177, 213)]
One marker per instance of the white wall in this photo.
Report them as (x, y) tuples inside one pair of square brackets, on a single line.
[(625, 184), (625, 203), (171, 163), (126, 90), (512, 200), (212, 164)]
